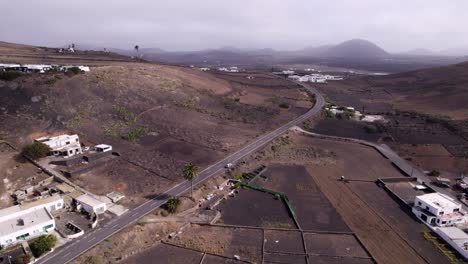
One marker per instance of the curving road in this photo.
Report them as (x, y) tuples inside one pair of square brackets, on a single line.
[(81, 245)]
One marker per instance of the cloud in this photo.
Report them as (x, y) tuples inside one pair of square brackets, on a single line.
[(396, 25)]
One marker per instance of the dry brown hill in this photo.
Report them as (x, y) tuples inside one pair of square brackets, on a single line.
[(436, 91), (157, 117), (19, 53)]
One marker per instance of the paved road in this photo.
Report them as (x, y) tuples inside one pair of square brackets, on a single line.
[(81, 245)]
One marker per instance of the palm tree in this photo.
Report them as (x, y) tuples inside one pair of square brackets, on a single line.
[(137, 50), (190, 173)]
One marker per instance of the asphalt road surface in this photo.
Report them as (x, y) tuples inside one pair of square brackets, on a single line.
[(80, 245)]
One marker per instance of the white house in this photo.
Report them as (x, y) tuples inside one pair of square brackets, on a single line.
[(63, 145), (28, 220), (438, 209), (288, 72), (204, 69), (37, 67), (90, 204)]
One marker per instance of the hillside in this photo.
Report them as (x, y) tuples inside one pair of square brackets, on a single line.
[(435, 91), (441, 90), (157, 117), (18, 53)]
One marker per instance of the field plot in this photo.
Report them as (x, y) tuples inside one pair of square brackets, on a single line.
[(343, 245), (188, 152), (271, 258), (253, 208), (164, 253), (413, 130), (256, 79), (313, 210), (221, 241), (119, 175), (344, 128), (338, 260), (434, 157), (210, 259), (277, 241)]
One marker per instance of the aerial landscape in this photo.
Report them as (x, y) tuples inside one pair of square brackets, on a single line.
[(214, 132)]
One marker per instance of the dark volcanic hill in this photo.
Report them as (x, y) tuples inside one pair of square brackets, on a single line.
[(356, 48), (435, 91)]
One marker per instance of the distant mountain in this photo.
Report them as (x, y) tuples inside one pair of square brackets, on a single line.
[(353, 54), (460, 51), (355, 48)]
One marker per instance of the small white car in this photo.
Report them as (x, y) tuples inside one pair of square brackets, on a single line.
[(228, 166)]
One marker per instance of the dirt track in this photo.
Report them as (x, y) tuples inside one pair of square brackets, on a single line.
[(384, 244)]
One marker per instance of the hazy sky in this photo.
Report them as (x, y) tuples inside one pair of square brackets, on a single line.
[(395, 25)]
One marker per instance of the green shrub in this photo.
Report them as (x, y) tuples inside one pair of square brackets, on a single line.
[(36, 150), (94, 260), (135, 134), (125, 114), (434, 173), (284, 105), (23, 259), (74, 70), (9, 75), (370, 129), (43, 244), (172, 205)]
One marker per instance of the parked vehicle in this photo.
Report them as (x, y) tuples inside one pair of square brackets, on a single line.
[(462, 183), (442, 182)]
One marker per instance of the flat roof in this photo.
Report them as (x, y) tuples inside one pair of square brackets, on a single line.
[(50, 199), (91, 201), (103, 146), (438, 199), (454, 233), (24, 221), (65, 188), (9, 210)]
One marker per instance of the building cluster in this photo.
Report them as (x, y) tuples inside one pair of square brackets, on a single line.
[(41, 68), (315, 78), (21, 222), (229, 69), (443, 215)]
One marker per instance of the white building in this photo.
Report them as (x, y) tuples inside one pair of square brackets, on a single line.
[(456, 238), (37, 67), (204, 69), (28, 220), (63, 145), (288, 72), (438, 209), (294, 77), (103, 148), (90, 204)]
